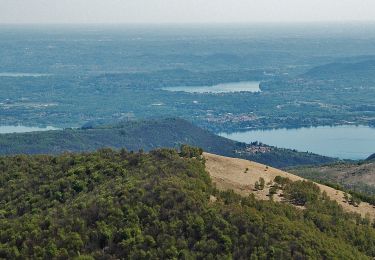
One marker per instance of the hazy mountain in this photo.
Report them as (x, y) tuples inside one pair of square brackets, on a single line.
[(344, 70)]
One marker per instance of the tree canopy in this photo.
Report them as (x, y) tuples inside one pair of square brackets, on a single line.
[(118, 204)]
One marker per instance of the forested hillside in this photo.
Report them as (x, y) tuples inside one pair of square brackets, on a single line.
[(159, 205), (148, 135)]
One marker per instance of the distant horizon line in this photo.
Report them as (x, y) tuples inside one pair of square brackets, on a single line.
[(277, 23)]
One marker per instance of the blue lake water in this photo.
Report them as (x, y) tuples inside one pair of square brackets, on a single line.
[(7, 129), (345, 142), (247, 86)]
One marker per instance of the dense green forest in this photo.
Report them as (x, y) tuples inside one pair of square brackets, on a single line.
[(148, 135), (158, 205)]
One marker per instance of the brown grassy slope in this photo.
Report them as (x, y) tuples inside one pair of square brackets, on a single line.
[(355, 176), (231, 173)]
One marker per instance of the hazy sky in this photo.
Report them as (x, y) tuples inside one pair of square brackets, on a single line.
[(184, 11)]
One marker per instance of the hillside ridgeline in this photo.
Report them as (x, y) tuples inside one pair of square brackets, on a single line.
[(371, 157)]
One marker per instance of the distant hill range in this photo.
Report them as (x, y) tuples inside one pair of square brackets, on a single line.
[(364, 69), (148, 135), (371, 157)]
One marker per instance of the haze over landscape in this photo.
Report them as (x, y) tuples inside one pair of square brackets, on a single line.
[(184, 11), (187, 129)]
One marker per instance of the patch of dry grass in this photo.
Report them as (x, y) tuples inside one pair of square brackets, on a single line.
[(241, 175)]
